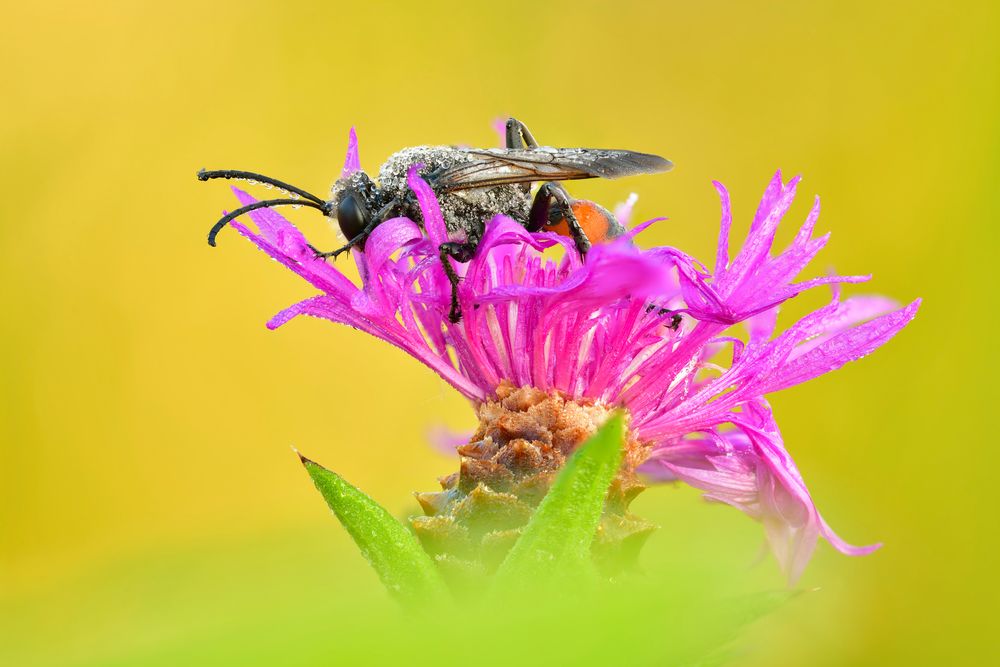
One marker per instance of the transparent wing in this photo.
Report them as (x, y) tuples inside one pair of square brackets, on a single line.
[(498, 166)]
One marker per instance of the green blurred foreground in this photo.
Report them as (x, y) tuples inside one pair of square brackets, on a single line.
[(307, 608), (547, 603)]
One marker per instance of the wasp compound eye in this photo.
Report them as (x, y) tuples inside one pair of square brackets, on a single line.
[(351, 216)]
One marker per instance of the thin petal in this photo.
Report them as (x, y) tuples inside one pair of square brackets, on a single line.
[(352, 161), (623, 211), (841, 348), (722, 251)]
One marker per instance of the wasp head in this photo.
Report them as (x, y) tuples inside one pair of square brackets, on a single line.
[(353, 199)]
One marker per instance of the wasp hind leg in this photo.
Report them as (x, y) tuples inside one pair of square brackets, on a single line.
[(519, 136), (460, 252), (553, 203)]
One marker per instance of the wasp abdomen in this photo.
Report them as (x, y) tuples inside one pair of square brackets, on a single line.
[(598, 223)]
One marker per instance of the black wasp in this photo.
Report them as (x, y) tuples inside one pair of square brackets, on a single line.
[(472, 186)]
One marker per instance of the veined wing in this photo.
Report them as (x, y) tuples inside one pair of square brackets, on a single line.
[(500, 166)]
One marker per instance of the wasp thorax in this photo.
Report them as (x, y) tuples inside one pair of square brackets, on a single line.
[(465, 211), (524, 438)]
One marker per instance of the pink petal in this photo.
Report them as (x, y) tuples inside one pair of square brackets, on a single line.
[(352, 162), (841, 348), (623, 211)]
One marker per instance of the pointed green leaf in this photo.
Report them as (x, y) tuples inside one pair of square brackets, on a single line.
[(402, 565), (557, 539)]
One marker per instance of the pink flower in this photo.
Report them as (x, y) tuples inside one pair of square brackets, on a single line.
[(605, 329)]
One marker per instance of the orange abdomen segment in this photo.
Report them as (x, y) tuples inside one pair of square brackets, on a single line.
[(591, 217)]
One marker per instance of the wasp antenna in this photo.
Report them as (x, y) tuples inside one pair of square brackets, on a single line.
[(267, 203), (204, 175)]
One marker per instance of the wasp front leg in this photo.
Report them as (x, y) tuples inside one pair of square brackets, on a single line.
[(357, 240), (359, 217), (460, 252)]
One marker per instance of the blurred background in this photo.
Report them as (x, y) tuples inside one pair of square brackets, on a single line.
[(152, 510)]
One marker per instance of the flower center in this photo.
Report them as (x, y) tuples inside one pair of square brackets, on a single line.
[(524, 438), (526, 433)]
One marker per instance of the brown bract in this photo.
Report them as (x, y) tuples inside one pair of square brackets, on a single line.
[(523, 440)]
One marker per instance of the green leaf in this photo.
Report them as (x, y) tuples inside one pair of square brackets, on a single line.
[(556, 542), (402, 565)]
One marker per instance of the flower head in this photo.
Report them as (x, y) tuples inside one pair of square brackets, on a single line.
[(606, 329)]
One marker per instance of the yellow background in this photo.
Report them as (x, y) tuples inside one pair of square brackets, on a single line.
[(150, 504)]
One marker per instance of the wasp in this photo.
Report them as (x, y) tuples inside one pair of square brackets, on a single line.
[(472, 186)]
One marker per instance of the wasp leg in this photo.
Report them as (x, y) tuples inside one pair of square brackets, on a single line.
[(379, 218), (518, 135), (460, 252), (675, 317), (552, 203), (357, 240)]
